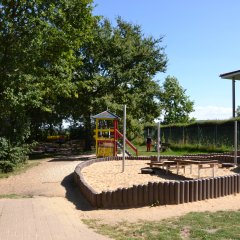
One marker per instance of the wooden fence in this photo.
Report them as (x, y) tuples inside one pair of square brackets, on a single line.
[(159, 193)]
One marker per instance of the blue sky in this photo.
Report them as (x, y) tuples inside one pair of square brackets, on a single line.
[(202, 40)]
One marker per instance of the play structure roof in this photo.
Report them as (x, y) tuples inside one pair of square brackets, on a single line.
[(106, 115), (231, 75)]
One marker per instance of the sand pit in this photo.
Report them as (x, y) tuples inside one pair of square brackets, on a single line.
[(104, 176)]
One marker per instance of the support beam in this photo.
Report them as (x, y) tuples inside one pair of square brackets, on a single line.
[(233, 98), (235, 122), (158, 142), (124, 137)]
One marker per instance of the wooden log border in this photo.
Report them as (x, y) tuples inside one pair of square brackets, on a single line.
[(157, 193)]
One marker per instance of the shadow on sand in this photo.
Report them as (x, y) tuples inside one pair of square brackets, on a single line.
[(236, 170), (161, 173), (73, 194)]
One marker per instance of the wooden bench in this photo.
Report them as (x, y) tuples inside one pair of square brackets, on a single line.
[(164, 164), (151, 164)]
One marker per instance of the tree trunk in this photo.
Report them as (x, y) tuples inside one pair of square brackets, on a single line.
[(88, 133)]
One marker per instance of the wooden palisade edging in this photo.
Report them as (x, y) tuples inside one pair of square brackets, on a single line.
[(158, 193)]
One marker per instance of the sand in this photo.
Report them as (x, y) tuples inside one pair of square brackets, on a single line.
[(109, 176), (104, 176)]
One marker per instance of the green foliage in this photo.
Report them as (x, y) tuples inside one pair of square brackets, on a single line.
[(11, 155), (200, 123), (38, 45), (119, 64), (57, 61), (175, 103), (211, 135), (194, 148), (21, 168)]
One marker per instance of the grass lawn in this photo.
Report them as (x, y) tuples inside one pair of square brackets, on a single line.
[(205, 225), (142, 151)]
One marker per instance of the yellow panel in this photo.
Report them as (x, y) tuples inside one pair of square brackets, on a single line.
[(105, 138), (104, 130), (104, 152)]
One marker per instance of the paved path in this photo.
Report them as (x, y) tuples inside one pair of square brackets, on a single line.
[(51, 213)]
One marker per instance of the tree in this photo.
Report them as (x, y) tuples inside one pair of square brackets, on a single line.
[(38, 45), (118, 68), (176, 105)]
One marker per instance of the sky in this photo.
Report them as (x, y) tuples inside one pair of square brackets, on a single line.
[(201, 39)]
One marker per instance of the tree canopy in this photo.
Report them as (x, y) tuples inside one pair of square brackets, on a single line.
[(119, 64), (58, 61), (38, 44), (176, 105)]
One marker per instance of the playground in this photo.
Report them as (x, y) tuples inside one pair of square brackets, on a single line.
[(113, 181), (104, 176), (57, 193), (50, 185)]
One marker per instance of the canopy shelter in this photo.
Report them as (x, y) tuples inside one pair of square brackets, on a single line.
[(231, 75), (106, 115), (235, 75)]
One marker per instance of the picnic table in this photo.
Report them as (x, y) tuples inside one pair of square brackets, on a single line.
[(202, 164), (182, 163)]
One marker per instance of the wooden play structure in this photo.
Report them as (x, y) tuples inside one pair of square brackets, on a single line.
[(107, 135)]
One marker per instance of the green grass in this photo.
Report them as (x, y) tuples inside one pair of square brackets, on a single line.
[(21, 168), (200, 148), (142, 151), (15, 196), (205, 225), (177, 150)]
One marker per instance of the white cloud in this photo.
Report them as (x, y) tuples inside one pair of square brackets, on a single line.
[(212, 113)]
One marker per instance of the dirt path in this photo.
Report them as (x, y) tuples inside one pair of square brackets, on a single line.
[(47, 179), (42, 218), (49, 212), (53, 180)]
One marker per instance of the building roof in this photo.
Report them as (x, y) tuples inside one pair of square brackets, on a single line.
[(231, 75), (106, 115)]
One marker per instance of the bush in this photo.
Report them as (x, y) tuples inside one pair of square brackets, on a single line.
[(199, 148), (6, 166), (11, 155)]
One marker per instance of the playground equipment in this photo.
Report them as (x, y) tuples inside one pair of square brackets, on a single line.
[(107, 135)]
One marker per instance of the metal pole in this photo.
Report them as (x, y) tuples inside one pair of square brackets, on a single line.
[(235, 142), (233, 97), (235, 122), (158, 142), (124, 137)]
